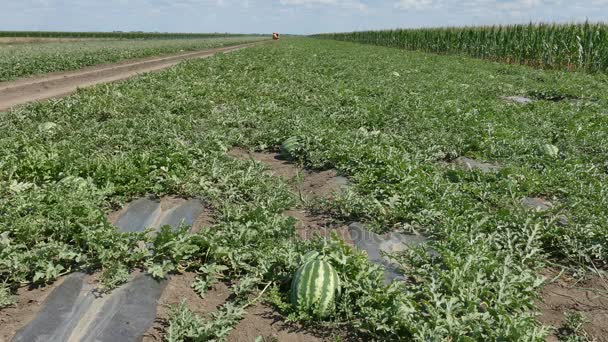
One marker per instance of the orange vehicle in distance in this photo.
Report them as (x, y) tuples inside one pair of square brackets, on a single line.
[(275, 36)]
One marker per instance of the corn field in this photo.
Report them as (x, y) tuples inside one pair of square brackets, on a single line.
[(558, 46)]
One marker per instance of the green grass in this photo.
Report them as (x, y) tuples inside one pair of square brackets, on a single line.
[(32, 59), (388, 119), (556, 46)]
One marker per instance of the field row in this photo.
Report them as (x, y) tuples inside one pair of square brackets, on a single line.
[(114, 35), (393, 122), (557, 46)]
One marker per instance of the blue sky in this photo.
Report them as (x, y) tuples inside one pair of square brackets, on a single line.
[(286, 16)]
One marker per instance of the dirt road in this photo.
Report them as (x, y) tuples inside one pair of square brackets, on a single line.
[(64, 83)]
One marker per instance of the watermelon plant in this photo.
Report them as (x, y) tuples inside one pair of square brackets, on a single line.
[(6, 298)]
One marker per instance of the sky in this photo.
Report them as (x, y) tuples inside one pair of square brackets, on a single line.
[(285, 16)]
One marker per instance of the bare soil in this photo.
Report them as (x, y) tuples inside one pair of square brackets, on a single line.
[(310, 225), (261, 320), (309, 183), (204, 220), (588, 297), (64, 83)]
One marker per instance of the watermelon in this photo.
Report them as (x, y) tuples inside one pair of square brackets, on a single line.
[(47, 127), (314, 287), (290, 147), (550, 150)]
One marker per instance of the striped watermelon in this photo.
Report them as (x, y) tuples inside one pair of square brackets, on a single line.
[(314, 287), (290, 147)]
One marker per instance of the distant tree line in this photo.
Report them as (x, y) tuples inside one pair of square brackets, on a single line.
[(115, 34)]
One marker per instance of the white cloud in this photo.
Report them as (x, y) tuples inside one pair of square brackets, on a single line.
[(293, 16), (478, 6), (519, 4), (350, 4), (417, 4)]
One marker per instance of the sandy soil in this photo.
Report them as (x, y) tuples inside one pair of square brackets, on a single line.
[(589, 297), (64, 83)]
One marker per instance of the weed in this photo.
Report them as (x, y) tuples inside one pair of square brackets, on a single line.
[(6, 297), (572, 329)]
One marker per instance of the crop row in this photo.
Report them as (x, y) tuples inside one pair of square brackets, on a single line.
[(569, 46), (117, 35)]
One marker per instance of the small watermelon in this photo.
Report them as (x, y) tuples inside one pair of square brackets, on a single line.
[(314, 287), (47, 127), (550, 150), (290, 147)]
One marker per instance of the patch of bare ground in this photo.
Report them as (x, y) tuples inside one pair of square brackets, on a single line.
[(29, 302), (308, 185), (588, 297), (263, 321), (309, 226), (204, 220), (179, 289)]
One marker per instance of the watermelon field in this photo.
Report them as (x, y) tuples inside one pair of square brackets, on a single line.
[(351, 192), (115, 35), (22, 60)]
